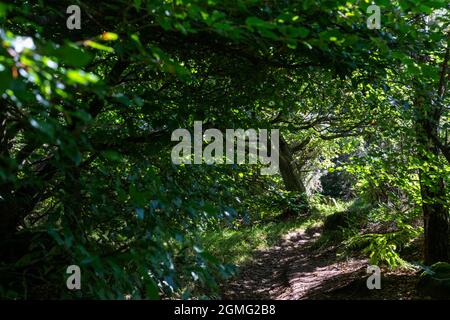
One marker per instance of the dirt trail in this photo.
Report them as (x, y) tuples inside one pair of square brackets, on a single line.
[(296, 270)]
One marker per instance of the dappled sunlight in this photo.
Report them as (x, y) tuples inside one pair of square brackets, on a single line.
[(244, 149)]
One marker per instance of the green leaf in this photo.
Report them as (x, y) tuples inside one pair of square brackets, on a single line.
[(109, 36), (73, 56), (98, 46), (302, 32), (112, 155), (137, 4), (258, 23), (151, 290), (5, 80), (3, 9), (81, 77)]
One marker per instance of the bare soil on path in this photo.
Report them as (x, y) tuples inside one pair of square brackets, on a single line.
[(296, 269)]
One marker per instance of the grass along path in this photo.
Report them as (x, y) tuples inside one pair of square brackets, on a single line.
[(284, 261), (296, 269)]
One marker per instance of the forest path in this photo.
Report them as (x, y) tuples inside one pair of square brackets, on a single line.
[(295, 270)]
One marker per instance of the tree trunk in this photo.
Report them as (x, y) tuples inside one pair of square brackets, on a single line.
[(72, 199), (435, 212), (6, 211), (435, 218), (288, 171)]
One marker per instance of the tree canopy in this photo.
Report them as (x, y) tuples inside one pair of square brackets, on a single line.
[(87, 114)]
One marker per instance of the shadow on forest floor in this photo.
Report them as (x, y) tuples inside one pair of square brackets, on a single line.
[(295, 269)]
